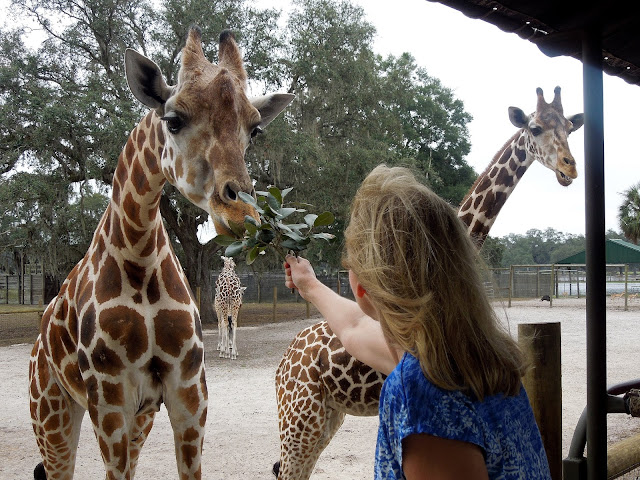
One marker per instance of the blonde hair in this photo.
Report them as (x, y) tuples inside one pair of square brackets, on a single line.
[(421, 270)]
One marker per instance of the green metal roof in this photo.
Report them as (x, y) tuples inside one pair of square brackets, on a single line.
[(617, 251)]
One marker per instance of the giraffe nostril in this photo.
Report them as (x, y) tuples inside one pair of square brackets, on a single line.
[(229, 193), (568, 161)]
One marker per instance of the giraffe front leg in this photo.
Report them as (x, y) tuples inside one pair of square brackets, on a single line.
[(56, 420), (220, 323), (140, 433), (225, 351), (233, 328), (187, 408)]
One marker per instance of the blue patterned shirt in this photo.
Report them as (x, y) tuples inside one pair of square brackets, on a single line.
[(503, 427)]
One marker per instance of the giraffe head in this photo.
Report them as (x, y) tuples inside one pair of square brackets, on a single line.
[(548, 129), (228, 262), (208, 123)]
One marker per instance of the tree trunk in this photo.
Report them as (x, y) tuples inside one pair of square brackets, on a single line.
[(197, 257)]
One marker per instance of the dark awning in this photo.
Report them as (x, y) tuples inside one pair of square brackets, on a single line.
[(557, 27)]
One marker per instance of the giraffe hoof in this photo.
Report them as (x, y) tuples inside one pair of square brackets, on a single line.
[(276, 468), (39, 473)]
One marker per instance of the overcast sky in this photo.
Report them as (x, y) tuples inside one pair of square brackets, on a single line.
[(490, 70)]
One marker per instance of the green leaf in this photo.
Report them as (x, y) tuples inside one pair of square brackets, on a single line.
[(266, 236), (275, 191), (246, 198), (250, 219), (283, 226), (325, 218), (286, 191), (252, 255), (310, 219), (234, 249), (324, 236), (224, 240), (237, 228), (297, 226), (250, 228), (294, 236), (273, 202), (289, 244), (285, 212)]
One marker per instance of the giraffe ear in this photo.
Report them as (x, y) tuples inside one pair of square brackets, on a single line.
[(518, 117), (145, 80), (270, 106), (577, 120)]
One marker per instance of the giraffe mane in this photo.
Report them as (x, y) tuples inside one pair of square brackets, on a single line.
[(497, 155)]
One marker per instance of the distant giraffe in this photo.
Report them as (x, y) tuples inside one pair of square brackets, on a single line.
[(123, 335), (318, 382), (228, 301)]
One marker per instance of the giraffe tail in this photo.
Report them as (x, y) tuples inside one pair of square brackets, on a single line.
[(39, 473), (276, 468)]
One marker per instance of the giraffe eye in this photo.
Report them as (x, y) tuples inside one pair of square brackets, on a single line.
[(174, 123), (535, 131), (255, 132)]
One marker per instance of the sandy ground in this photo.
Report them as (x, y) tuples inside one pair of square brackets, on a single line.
[(242, 429)]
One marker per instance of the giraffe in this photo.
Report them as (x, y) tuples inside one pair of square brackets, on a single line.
[(228, 301), (318, 382), (123, 334)]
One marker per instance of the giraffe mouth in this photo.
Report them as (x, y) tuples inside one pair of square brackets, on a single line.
[(563, 179)]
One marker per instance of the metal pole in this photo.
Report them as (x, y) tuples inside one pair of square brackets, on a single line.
[(595, 255)]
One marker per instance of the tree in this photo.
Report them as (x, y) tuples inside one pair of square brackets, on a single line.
[(354, 110), (629, 214), (70, 111), (67, 112)]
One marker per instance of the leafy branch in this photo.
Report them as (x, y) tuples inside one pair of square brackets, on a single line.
[(254, 238)]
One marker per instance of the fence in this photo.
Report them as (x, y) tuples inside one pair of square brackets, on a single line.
[(558, 281), (26, 289), (261, 287)]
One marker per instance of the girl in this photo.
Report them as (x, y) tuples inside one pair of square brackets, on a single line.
[(453, 405)]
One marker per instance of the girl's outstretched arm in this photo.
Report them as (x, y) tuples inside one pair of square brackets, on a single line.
[(360, 334)]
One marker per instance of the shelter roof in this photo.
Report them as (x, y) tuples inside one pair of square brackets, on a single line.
[(557, 27), (617, 251)]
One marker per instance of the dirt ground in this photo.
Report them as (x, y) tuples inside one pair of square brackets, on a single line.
[(242, 428)]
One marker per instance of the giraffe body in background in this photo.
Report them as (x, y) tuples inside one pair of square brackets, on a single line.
[(318, 382), (228, 301), (123, 334)]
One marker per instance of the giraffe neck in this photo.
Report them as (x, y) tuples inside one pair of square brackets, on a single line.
[(481, 206), (132, 223)]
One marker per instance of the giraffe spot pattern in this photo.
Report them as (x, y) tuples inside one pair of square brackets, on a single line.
[(158, 369), (153, 288), (111, 422), (172, 329), (131, 209), (132, 233), (135, 274), (126, 326), (109, 283), (113, 393), (173, 284), (88, 326), (191, 363), (105, 360)]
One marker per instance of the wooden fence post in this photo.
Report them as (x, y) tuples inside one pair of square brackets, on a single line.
[(275, 302), (543, 383)]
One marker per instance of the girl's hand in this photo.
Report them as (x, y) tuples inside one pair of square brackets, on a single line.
[(299, 274)]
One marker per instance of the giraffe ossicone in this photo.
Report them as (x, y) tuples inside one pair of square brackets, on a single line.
[(123, 335), (227, 303), (318, 382)]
